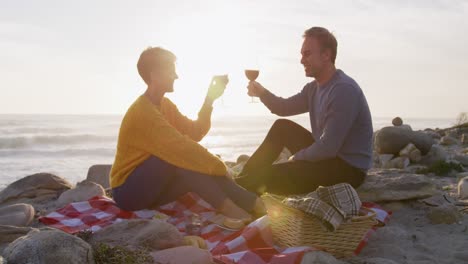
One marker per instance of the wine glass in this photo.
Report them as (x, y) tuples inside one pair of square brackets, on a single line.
[(252, 75)]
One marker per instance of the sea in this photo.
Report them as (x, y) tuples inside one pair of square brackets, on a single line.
[(67, 145)]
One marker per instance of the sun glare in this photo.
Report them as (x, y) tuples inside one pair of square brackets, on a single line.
[(206, 45)]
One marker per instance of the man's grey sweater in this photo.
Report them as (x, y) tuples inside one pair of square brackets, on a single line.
[(339, 116)]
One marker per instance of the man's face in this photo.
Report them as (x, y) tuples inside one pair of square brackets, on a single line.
[(164, 78), (313, 58)]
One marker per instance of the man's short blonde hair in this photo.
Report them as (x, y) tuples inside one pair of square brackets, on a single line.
[(326, 39)]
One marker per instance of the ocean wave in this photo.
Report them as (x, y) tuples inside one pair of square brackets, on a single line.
[(73, 152), (34, 130), (31, 141)]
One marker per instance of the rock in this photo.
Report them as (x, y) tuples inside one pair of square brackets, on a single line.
[(415, 168), (447, 214), (184, 254), (37, 189), (10, 233), (448, 140), (433, 134), (99, 174), (437, 153), (243, 158), (415, 156), (395, 185), (405, 152), (439, 131), (463, 159), (463, 188), (236, 170), (390, 140), (464, 139), (465, 151), (439, 200), (134, 234), (397, 121), (411, 152), (384, 159), (398, 163), (49, 246), (82, 192), (452, 133), (17, 215), (319, 257)]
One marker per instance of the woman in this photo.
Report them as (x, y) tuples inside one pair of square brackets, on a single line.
[(158, 158)]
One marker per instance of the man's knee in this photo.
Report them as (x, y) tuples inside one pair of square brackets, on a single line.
[(283, 123)]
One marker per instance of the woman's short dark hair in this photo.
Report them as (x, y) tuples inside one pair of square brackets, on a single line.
[(325, 38), (153, 58)]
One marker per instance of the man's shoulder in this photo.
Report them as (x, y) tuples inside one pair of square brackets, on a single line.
[(345, 82)]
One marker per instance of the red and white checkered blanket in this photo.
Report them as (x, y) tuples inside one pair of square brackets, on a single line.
[(253, 244)]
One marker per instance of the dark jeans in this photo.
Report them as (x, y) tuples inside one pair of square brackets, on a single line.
[(156, 182), (295, 177)]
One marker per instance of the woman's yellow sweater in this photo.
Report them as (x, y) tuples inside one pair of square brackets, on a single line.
[(165, 133)]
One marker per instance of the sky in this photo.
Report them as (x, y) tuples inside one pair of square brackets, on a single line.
[(79, 57)]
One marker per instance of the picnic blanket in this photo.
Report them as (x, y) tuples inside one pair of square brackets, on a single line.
[(252, 244)]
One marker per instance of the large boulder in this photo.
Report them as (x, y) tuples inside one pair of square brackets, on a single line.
[(10, 233), (38, 190), (82, 192), (184, 254), (17, 215), (436, 154), (395, 185), (99, 174), (48, 246), (390, 140), (135, 234)]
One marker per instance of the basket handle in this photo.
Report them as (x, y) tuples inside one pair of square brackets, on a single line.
[(365, 217)]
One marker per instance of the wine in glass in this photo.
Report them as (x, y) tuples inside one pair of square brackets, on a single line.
[(252, 75)]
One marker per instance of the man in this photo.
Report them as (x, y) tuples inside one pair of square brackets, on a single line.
[(158, 158), (339, 147)]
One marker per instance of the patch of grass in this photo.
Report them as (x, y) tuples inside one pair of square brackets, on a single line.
[(441, 168), (105, 254)]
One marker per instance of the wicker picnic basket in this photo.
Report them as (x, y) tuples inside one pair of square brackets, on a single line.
[(292, 227)]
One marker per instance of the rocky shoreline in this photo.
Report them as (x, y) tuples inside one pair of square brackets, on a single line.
[(421, 176)]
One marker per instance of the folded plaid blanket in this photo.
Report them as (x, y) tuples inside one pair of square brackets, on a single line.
[(342, 196), (331, 205), (253, 244), (329, 216)]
